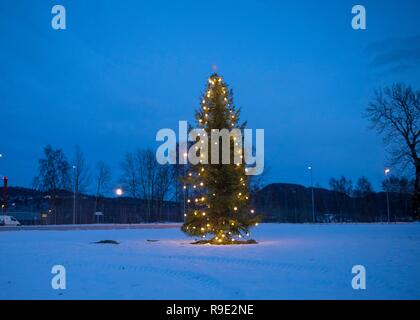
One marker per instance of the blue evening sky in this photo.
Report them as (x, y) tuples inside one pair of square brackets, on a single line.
[(124, 69)]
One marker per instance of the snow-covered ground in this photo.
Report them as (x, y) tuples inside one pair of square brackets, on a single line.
[(290, 262)]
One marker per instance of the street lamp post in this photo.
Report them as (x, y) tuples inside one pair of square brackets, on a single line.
[(4, 200), (74, 194), (387, 171), (313, 197), (184, 213)]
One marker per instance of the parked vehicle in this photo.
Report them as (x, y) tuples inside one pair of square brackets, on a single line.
[(8, 221)]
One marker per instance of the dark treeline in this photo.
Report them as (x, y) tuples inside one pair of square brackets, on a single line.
[(282, 202), (279, 202)]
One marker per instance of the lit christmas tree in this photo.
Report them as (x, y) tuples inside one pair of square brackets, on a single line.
[(219, 208)]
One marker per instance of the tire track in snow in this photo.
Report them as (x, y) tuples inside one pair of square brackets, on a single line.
[(252, 263), (205, 281)]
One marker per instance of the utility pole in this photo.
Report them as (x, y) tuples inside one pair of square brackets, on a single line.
[(387, 171), (185, 186), (4, 204), (313, 197), (74, 193)]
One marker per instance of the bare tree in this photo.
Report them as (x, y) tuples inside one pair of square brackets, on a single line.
[(148, 173), (129, 178), (81, 178), (343, 189), (82, 172), (164, 183), (397, 185), (341, 185), (53, 176), (363, 187), (395, 113), (143, 177), (102, 183)]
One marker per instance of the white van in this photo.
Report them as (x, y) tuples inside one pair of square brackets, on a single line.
[(8, 221)]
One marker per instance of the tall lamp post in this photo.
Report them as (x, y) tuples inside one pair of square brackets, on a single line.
[(387, 171), (4, 200), (312, 191), (184, 214), (74, 194)]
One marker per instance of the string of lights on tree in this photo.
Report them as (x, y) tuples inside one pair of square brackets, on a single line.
[(218, 208)]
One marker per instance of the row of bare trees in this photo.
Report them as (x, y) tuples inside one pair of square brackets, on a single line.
[(142, 178), (345, 193), (60, 178)]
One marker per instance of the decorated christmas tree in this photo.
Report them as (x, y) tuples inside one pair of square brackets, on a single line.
[(218, 206)]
